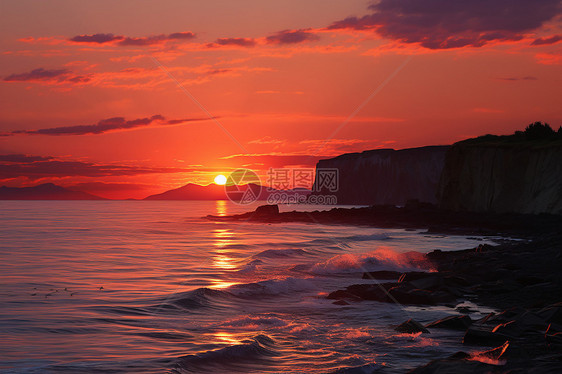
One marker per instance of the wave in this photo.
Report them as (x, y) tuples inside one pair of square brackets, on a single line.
[(277, 253), (380, 259), (253, 353), (364, 369), (201, 298), (272, 287)]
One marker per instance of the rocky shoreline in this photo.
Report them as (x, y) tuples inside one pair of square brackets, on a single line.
[(522, 278)]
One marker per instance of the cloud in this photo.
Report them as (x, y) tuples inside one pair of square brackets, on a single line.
[(444, 24), (240, 42), (547, 41), (104, 126), (132, 41), (263, 161), (54, 168), (292, 37), (96, 38), (514, 79), (46, 75), (19, 158)]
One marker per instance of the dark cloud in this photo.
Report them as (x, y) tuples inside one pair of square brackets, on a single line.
[(103, 126), (442, 24), (241, 42), (23, 158), (38, 74), (514, 79), (56, 75), (96, 38), (546, 41), (292, 37), (131, 41), (58, 168)]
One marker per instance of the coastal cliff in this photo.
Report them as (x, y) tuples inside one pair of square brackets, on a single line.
[(508, 174), (387, 176)]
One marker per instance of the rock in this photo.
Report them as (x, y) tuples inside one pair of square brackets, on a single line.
[(495, 353), (267, 210), (340, 302), (414, 275), (458, 363), (382, 275), (411, 327), (480, 335), (552, 313), (452, 323)]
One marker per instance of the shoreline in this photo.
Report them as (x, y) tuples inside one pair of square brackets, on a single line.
[(521, 278)]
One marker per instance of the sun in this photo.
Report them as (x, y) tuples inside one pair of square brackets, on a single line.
[(220, 180)]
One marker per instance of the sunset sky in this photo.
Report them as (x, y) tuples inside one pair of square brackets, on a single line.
[(132, 97)]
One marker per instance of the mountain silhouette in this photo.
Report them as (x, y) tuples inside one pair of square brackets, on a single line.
[(45, 191)]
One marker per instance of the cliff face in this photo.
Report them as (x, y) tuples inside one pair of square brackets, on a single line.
[(387, 176), (502, 178)]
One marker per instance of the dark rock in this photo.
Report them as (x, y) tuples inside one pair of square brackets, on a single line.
[(382, 275), (552, 313), (480, 335), (458, 363), (414, 275), (267, 210), (411, 327), (340, 302), (451, 322)]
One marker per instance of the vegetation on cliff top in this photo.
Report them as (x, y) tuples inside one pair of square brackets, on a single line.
[(536, 135)]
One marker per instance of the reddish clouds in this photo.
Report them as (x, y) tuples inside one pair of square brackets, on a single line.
[(128, 99)]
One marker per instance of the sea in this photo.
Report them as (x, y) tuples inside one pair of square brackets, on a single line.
[(155, 287)]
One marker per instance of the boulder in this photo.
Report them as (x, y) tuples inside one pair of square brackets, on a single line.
[(451, 323), (411, 327), (481, 335), (267, 210)]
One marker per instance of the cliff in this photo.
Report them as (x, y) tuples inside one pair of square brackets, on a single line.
[(502, 175), (387, 176)]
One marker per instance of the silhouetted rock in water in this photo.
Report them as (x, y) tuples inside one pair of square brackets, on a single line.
[(45, 191), (382, 275), (424, 216), (452, 323), (266, 210), (411, 327), (386, 176), (483, 335), (459, 363)]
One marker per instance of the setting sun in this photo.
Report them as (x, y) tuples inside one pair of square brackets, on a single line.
[(220, 179)]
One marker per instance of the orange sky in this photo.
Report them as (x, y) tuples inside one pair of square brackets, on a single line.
[(101, 95)]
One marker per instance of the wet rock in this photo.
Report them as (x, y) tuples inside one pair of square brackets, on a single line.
[(411, 327), (341, 302), (452, 323), (459, 363), (266, 210), (382, 275), (414, 275), (552, 313), (482, 335)]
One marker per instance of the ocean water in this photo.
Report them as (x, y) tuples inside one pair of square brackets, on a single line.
[(152, 287)]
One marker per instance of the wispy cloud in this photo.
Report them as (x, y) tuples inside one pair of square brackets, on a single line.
[(48, 75), (105, 125), (125, 41)]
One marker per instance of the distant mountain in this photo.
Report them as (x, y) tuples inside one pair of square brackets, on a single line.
[(193, 191), (46, 191)]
